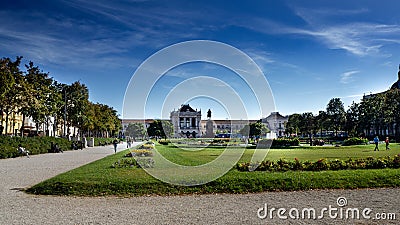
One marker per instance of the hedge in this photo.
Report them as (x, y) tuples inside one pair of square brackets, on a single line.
[(283, 165), (35, 145), (355, 141)]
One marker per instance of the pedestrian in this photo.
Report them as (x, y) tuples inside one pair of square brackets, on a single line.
[(23, 151), (376, 141), (387, 143), (129, 142), (115, 142)]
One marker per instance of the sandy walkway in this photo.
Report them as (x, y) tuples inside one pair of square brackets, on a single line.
[(17, 207)]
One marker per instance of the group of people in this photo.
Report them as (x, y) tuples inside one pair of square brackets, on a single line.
[(117, 141), (376, 142), (75, 145)]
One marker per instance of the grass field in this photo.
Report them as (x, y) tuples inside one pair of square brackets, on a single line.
[(99, 178)]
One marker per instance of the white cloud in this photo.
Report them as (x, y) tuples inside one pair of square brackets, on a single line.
[(347, 77)]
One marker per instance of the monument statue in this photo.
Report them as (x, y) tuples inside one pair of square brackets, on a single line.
[(209, 114)]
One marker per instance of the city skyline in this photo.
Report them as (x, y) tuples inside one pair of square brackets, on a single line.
[(309, 52)]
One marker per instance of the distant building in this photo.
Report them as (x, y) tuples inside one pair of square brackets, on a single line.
[(186, 122), (276, 123), (225, 126)]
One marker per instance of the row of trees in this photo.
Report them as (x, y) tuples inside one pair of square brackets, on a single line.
[(158, 128), (32, 93), (163, 128), (375, 115)]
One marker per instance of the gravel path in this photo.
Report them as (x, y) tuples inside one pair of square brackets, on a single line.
[(17, 207)]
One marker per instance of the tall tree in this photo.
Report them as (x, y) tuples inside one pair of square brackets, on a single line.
[(40, 89), (12, 92), (352, 125), (76, 97), (293, 124), (160, 129), (135, 130), (336, 113), (322, 121), (257, 129)]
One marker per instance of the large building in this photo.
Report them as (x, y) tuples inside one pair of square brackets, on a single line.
[(276, 123), (186, 122), (225, 126)]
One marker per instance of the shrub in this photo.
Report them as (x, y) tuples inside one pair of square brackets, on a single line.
[(285, 142), (133, 163), (103, 141), (140, 153), (35, 145), (355, 141), (164, 141), (284, 165)]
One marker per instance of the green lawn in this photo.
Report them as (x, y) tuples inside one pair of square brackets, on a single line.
[(99, 178)]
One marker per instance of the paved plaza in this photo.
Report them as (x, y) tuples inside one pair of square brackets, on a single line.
[(16, 207)]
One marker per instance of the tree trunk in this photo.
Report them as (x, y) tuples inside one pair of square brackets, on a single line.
[(22, 126), (6, 128)]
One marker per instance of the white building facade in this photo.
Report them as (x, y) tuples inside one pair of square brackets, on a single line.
[(186, 122), (276, 123)]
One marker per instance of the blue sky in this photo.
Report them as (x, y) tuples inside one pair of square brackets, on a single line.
[(309, 51)]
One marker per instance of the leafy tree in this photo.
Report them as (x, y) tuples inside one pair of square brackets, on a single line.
[(160, 129), (257, 129), (245, 131), (336, 113), (392, 111), (40, 91), (12, 94), (168, 128), (307, 124), (135, 130), (353, 120), (293, 124), (76, 98), (322, 121)]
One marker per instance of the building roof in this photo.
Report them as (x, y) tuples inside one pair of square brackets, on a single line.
[(276, 115), (186, 108)]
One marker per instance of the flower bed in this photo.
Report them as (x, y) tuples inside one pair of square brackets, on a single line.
[(283, 165), (134, 163), (140, 153)]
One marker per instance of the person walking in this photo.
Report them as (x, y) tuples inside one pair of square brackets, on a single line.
[(387, 143), (115, 143), (376, 141)]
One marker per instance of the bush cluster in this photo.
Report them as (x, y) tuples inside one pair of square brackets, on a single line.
[(140, 153), (164, 141), (355, 141), (134, 163), (35, 145), (285, 142), (103, 141), (283, 165)]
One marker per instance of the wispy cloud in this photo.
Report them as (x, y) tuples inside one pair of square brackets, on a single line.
[(358, 38), (347, 77)]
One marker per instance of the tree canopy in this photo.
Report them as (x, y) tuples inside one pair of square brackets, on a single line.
[(33, 93)]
